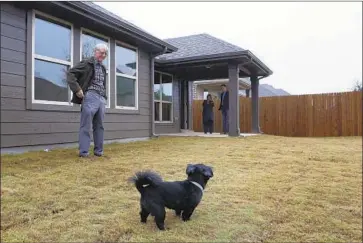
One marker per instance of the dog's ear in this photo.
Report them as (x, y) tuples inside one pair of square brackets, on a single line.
[(211, 171), (208, 172), (190, 169)]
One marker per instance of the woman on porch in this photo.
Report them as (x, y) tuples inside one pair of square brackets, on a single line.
[(208, 114)]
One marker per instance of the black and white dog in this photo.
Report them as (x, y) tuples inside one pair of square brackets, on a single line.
[(181, 196)]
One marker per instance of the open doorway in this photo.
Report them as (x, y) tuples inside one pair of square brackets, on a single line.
[(205, 93)]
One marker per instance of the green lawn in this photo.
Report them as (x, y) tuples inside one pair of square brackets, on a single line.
[(264, 188)]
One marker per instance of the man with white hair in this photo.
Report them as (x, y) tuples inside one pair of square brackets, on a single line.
[(87, 80)]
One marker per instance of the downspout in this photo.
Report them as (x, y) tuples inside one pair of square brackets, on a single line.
[(152, 71)]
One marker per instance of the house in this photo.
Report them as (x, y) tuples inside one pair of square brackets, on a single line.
[(149, 80)]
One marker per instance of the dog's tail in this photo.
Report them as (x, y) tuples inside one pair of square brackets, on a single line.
[(143, 179)]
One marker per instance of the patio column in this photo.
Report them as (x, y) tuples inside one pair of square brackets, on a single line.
[(190, 105), (255, 105), (233, 87), (248, 93)]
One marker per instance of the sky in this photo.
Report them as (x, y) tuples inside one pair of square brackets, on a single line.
[(312, 47)]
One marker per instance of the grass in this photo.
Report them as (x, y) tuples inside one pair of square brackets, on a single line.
[(266, 188)]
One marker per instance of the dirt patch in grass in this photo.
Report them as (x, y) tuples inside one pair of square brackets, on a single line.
[(265, 188)]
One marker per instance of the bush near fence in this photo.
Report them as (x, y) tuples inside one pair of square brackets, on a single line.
[(318, 115)]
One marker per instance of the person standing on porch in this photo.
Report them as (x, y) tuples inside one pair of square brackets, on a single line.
[(224, 108), (208, 114), (87, 80)]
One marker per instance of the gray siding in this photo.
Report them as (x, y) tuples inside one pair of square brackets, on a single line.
[(174, 127), (23, 126)]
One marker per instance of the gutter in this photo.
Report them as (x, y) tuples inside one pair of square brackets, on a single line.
[(152, 71), (259, 63), (252, 60), (262, 77), (204, 58)]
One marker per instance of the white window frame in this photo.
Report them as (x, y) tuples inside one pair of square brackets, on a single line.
[(124, 45), (49, 59), (161, 101), (85, 31)]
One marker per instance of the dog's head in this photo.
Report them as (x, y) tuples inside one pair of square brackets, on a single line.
[(200, 170)]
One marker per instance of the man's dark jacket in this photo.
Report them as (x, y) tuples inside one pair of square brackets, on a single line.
[(80, 77), (225, 106)]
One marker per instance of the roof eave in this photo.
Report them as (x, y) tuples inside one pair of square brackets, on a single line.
[(241, 81), (102, 17), (260, 63), (203, 58), (217, 57)]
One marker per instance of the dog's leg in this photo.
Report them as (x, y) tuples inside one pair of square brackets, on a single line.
[(177, 212), (144, 214), (160, 218), (187, 213)]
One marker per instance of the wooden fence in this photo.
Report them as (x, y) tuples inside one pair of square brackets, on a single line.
[(333, 114)]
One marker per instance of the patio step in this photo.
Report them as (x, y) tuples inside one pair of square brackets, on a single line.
[(186, 131)]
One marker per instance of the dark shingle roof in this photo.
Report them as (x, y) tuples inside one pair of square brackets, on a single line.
[(198, 45)]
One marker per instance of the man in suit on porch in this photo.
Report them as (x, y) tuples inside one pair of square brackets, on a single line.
[(224, 108)]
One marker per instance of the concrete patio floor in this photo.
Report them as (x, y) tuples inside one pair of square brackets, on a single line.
[(188, 133)]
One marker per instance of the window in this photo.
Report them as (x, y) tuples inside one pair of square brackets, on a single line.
[(126, 77), (52, 57), (163, 97), (89, 40)]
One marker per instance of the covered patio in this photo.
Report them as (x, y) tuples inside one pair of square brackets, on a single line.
[(204, 57)]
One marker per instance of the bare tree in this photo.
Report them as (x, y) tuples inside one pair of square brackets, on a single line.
[(87, 50), (357, 86)]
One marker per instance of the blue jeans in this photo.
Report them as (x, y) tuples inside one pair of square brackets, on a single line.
[(225, 121), (92, 112)]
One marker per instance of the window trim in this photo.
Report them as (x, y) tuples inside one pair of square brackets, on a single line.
[(108, 81), (163, 101), (49, 59), (136, 78)]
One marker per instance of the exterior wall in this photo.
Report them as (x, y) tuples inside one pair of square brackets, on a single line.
[(23, 124), (198, 93), (174, 126)]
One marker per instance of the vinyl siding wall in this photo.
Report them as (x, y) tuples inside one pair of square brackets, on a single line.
[(21, 126)]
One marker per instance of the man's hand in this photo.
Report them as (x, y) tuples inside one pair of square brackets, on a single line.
[(80, 94)]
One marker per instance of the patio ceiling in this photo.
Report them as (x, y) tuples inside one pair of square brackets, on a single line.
[(215, 84)]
